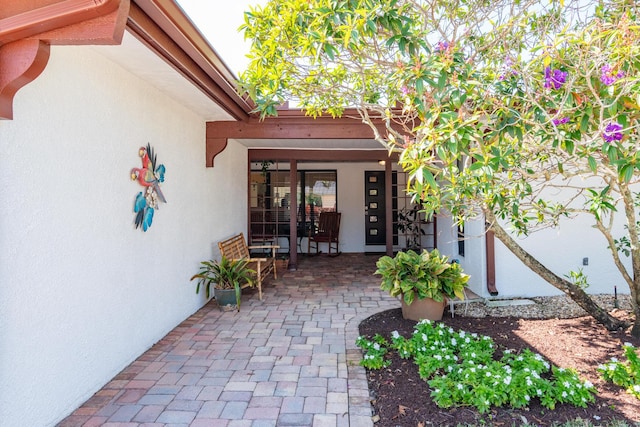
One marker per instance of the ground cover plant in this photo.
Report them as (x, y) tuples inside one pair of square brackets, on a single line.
[(541, 372)]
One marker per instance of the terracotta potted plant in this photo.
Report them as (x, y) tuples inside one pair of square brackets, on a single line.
[(226, 276), (424, 281)]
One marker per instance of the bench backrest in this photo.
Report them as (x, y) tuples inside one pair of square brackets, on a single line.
[(234, 247)]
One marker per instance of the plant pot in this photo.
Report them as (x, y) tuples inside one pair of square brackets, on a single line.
[(226, 299), (282, 264), (423, 309)]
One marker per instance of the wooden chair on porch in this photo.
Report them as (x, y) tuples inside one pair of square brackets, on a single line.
[(328, 231)]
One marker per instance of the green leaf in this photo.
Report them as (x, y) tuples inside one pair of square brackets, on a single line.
[(592, 164)]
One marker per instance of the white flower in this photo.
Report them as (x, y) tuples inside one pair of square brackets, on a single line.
[(473, 355), (520, 358), (539, 392), (376, 346), (627, 344), (507, 380), (473, 370), (560, 369), (395, 334), (614, 359), (636, 388), (526, 397), (467, 340), (597, 418), (488, 374), (564, 394), (462, 333), (566, 384), (529, 382), (453, 341), (460, 387), (474, 335)]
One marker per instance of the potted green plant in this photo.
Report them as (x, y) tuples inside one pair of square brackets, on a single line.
[(226, 276), (424, 282)]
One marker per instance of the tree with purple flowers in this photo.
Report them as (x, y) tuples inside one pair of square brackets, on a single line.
[(495, 107)]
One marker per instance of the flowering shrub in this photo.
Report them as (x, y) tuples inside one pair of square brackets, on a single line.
[(461, 369), (625, 374)]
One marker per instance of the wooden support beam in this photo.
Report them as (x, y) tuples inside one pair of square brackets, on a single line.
[(304, 128)]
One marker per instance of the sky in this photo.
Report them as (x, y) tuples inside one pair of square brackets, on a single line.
[(218, 21)]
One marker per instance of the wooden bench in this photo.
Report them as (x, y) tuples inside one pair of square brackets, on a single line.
[(236, 248)]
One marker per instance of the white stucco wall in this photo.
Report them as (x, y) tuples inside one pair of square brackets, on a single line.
[(83, 293), (561, 249)]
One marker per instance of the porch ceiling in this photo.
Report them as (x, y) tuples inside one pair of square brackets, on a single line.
[(315, 144)]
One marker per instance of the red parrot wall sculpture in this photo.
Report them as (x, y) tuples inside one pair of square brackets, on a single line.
[(149, 176)]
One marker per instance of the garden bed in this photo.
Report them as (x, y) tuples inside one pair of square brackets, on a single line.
[(401, 398)]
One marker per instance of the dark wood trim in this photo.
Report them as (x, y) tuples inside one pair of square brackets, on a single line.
[(167, 39), (288, 128), (388, 201), (214, 146), (293, 215), (491, 263), (321, 155)]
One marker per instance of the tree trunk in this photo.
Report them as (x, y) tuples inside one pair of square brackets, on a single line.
[(574, 292)]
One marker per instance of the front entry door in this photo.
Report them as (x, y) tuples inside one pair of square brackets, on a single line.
[(375, 224)]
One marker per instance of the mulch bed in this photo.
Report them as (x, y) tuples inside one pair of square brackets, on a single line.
[(401, 398)]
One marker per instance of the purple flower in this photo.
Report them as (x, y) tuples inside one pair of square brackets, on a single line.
[(612, 132), (560, 121), (607, 77), (442, 46), (554, 78)]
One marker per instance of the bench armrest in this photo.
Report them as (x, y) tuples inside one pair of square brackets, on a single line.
[(264, 247)]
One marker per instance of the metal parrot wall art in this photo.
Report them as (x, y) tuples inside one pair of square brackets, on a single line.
[(149, 176)]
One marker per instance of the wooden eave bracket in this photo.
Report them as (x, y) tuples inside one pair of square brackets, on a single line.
[(25, 37), (214, 146)]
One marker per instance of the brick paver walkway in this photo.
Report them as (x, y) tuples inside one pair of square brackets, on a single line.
[(289, 360)]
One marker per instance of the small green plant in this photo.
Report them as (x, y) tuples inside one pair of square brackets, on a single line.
[(374, 352), (224, 274), (625, 374), (425, 275), (578, 278), (461, 369)]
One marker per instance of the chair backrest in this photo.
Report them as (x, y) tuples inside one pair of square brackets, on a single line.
[(234, 248), (329, 224)]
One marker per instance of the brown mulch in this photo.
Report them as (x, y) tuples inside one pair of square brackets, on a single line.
[(401, 398)]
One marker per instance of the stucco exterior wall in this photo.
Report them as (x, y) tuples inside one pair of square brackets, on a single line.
[(83, 293), (561, 249)]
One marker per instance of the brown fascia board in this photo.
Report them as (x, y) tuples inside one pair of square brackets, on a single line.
[(41, 19), (164, 27)]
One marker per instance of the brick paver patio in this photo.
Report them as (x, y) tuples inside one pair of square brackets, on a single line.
[(289, 360)]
